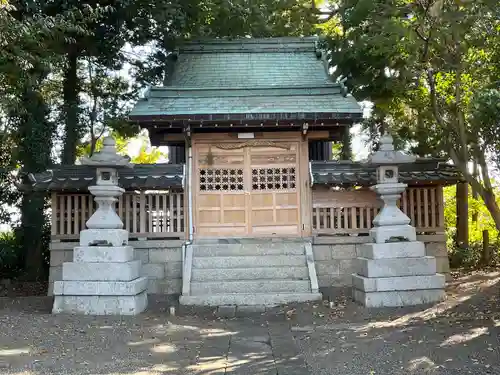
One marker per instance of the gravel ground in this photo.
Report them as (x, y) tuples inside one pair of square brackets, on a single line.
[(458, 336)]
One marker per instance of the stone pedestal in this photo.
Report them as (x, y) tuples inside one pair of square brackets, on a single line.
[(393, 270), (101, 280), (104, 278), (396, 274)]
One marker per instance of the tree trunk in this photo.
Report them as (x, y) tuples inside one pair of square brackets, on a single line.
[(462, 215), (71, 91), (474, 193), (31, 236), (492, 206), (346, 153), (34, 130), (486, 255)]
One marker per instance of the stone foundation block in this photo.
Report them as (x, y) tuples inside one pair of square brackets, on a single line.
[(153, 271), (101, 305), (101, 288), (101, 271), (386, 284), (322, 252), (443, 264), (382, 234), (55, 273), (142, 254), (343, 251), (165, 255), (396, 267), (117, 237), (99, 254), (436, 249), (398, 298), (392, 250), (58, 257)]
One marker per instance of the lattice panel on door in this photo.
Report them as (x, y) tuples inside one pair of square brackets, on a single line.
[(273, 178), (221, 179)]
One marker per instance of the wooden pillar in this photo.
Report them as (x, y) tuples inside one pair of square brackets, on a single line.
[(320, 150), (176, 154)]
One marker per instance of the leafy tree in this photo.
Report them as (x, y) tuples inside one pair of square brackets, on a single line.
[(474, 253), (165, 25), (146, 155), (426, 65), (108, 99), (26, 59), (101, 45)]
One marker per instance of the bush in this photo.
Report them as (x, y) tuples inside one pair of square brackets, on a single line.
[(10, 256), (472, 255)]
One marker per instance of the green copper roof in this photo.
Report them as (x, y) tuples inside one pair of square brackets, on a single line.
[(249, 77), (250, 63)]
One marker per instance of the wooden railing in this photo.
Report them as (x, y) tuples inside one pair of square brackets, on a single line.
[(155, 214), (347, 212)]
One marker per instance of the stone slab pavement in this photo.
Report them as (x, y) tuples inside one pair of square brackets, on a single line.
[(458, 336)]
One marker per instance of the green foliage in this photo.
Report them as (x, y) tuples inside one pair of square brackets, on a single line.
[(10, 256), (166, 24), (429, 68), (470, 256), (146, 155)]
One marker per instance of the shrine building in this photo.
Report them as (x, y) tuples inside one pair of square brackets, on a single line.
[(254, 206)]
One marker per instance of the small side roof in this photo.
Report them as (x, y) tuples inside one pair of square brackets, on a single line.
[(422, 172), (77, 178)]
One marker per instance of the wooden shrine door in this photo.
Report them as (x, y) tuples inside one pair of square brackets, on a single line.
[(247, 189)]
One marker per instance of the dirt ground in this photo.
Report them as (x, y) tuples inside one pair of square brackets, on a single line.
[(458, 336)]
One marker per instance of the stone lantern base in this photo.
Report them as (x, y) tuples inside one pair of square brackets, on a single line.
[(391, 274), (103, 279)]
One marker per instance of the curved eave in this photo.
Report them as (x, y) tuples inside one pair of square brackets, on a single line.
[(423, 172), (77, 178)]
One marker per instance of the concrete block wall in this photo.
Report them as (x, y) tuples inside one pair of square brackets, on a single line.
[(161, 263), (334, 257)]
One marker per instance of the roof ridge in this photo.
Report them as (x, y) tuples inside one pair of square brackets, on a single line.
[(250, 45), (264, 40), (326, 85)]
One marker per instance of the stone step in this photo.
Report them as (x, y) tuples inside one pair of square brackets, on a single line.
[(101, 305), (261, 249), (389, 250), (389, 284), (244, 241), (101, 288), (399, 298), (248, 286), (256, 273), (249, 261), (396, 267), (100, 254), (249, 299), (127, 271)]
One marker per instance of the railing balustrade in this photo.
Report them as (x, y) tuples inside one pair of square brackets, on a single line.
[(338, 212), (149, 214)]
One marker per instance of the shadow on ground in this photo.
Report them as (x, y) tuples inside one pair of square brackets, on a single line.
[(458, 336)]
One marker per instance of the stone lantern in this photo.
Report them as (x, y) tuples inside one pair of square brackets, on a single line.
[(390, 222), (393, 270), (104, 277), (106, 192)]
